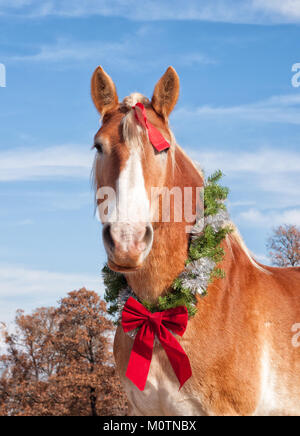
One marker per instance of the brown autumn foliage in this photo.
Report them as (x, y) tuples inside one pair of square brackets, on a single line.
[(59, 361), (284, 246)]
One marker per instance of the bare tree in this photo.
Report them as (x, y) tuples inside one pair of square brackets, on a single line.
[(284, 246)]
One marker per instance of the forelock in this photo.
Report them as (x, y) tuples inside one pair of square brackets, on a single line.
[(133, 99)]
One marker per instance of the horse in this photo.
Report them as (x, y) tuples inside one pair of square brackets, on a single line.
[(240, 342)]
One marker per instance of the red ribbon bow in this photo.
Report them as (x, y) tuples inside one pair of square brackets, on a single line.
[(135, 315), (155, 137)]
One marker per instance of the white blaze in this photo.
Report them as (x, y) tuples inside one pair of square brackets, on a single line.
[(132, 200)]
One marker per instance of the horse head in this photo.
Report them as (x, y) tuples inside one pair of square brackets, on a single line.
[(128, 166)]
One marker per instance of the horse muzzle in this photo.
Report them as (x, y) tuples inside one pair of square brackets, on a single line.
[(127, 245)]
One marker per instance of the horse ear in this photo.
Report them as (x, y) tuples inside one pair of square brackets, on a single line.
[(104, 92), (166, 93)]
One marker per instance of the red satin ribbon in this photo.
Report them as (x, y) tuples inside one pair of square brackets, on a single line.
[(135, 315), (155, 137)]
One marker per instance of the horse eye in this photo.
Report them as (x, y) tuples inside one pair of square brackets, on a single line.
[(98, 147)]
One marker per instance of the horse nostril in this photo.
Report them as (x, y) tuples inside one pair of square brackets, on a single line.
[(148, 238), (107, 238)]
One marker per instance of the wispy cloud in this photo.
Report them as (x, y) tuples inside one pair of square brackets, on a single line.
[(66, 161), (67, 50), (26, 288), (265, 161), (123, 54), (263, 218), (229, 11), (19, 223), (276, 109), (271, 177), (287, 11), (192, 59)]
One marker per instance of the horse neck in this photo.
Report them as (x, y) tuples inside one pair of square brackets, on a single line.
[(170, 246)]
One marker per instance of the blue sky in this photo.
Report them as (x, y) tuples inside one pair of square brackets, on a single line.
[(237, 111)]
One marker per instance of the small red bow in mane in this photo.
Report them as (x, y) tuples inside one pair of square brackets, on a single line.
[(155, 137), (135, 315)]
